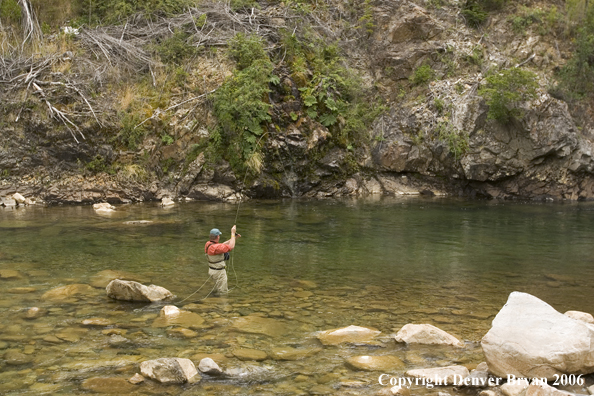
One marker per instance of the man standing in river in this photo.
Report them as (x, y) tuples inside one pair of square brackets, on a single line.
[(217, 253)]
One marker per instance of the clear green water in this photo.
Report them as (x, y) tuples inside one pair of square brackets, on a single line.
[(378, 263)]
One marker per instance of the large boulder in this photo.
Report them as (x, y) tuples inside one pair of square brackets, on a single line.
[(426, 334), (169, 370), (529, 338), (134, 291)]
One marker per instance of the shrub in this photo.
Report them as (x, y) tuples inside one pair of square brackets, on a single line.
[(10, 11), (457, 140), (505, 90), (476, 12), (175, 49), (245, 50), (240, 105), (576, 78), (422, 75)]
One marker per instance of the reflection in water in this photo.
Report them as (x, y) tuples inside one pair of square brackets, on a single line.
[(300, 267)]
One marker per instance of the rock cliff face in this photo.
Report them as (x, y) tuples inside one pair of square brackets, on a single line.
[(434, 139)]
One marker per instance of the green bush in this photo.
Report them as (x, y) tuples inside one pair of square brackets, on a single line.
[(330, 93), (175, 49), (505, 90), (576, 78), (456, 140), (476, 12), (10, 11), (245, 50), (241, 106), (130, 135), (421, 75)]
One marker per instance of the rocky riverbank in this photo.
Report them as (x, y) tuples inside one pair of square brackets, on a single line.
[(431, 136)]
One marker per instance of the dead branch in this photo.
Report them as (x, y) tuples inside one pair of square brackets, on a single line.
[(31, 29), (159, 111), (57, 114)]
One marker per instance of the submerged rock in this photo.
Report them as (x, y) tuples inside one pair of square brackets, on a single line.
[(97, 322), (7, 274), (385, 364), (288, 353), (169, 370), (351, 334), (103, 207), (66, 292), (136, 379), (257, 325), (529, 338), (170, 315), (35, 312), (250, 354), (542, 389), (208, 366), (134, 291), (443, 374), (426, 334), (21, 290), (15, 358), (118, 386)]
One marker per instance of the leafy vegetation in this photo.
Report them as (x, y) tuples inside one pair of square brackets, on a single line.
[(240, 105), (175, 49), (476, 12), (10, 11), (456, 140), (421, 75), (505, 90), (330, 93)]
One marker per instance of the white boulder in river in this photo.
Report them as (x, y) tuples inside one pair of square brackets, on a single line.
[(134, 291), (529, 338), (169, 370), (426, 334)]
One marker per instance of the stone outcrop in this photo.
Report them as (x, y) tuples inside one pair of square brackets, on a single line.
[(134, 291), (529, 338), (170, 370), (450, 148), (426, 334)]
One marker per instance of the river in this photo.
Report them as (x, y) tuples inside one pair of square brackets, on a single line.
[(308, 266)]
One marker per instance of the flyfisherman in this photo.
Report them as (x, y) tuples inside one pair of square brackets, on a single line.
[(217, 252)]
